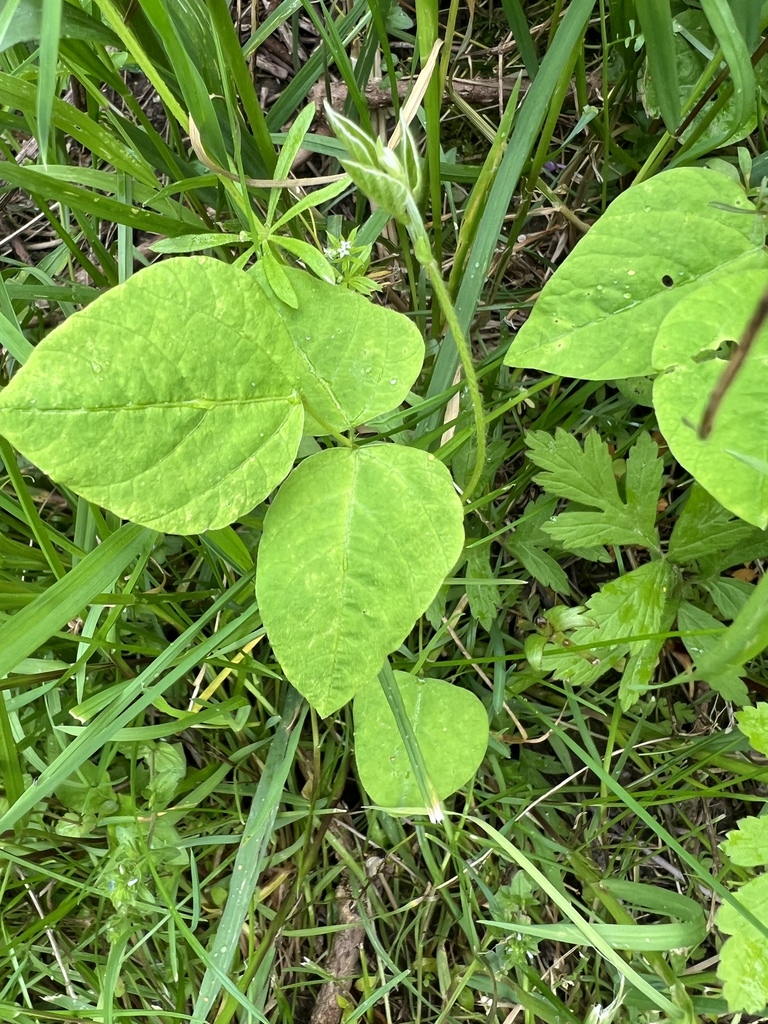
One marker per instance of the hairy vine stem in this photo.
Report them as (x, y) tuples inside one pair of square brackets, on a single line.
[(465, 355)]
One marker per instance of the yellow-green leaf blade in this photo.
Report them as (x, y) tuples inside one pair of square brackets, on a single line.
[(356, 544), (599, 314), (357, 360), (434, 708), (170, 400)]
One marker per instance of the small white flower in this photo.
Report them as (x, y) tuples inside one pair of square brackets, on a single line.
[(345, 249)]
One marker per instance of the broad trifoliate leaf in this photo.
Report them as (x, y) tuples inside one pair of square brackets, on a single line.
[(687, 339), (450, 724), (748, 844), (357, 360), (744, 957), (355, 547), (597, 317), (170, 400)]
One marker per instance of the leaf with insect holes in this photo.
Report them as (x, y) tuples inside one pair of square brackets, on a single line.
[(743, 965), (687, 346), (170, 400), (356, 544), (587, 476), (747, 845), (357, 360), (598, 315), (642, 602), (434, 708)]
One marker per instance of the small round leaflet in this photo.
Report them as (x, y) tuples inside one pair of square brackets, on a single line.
[(450, 724)]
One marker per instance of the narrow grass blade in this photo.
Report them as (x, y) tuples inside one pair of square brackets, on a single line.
[(411, 743), (635, 807), (656, 22), (8, 458), (589, 933), (475, 207), (50, 30), (561, 54), (31, 627), (10, 762), (291, 147), (236, 67), (515, 15), (734, 47), (251, 852), (136, 695)]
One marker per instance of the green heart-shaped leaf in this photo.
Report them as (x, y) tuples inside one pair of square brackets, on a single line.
[(357, 360), (730, 463), (450, 724), (170, 400), (356, 544), (599, 314)]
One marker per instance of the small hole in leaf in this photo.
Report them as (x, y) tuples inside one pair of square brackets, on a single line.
[(722, 352), (667, 281)]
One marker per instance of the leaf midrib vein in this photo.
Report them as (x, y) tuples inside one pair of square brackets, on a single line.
[(194, 403)]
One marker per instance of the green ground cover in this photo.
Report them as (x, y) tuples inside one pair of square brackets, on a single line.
[(382, 518)]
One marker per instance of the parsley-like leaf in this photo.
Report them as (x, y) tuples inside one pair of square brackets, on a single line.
[(642, 602), (748, 844), (744, 957), (585, 476)]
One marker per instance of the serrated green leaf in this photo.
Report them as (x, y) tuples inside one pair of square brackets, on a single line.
[(167, 767), (748, 844), (170, 400), (356, 544), (484, 600), (357, 360), (528, 543), (641, 602), (705, 529), (598, 316), (753, 722), (717, 313), (435, 708), (692, 619), (586, 476), (743, 965), (728, 595)]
